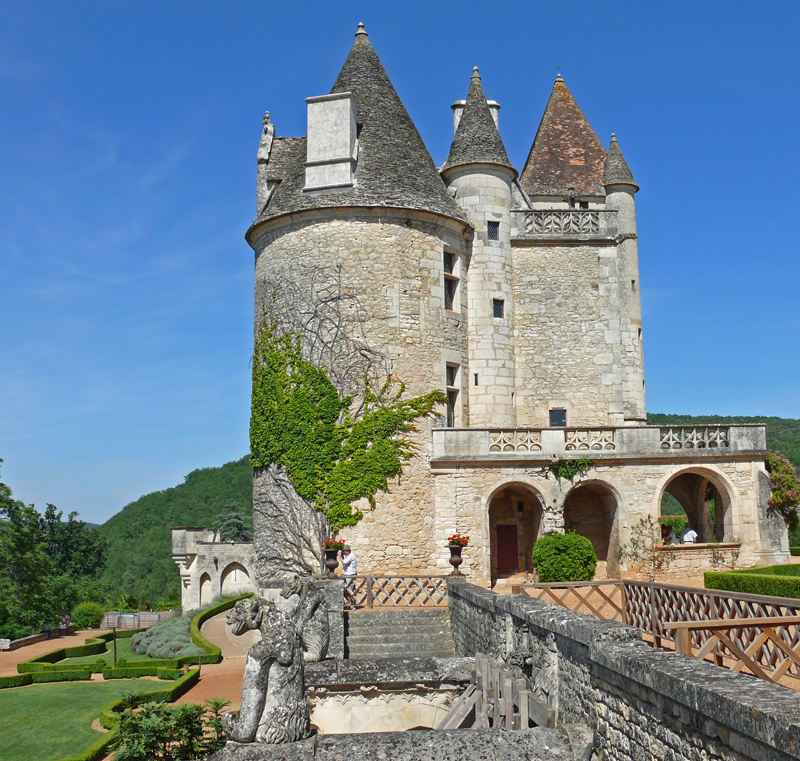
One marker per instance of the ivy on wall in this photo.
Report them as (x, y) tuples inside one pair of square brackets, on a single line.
[(299, 421), (569, 469)]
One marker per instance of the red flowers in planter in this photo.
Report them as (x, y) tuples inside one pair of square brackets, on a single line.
[(332, 544), (457, 540)]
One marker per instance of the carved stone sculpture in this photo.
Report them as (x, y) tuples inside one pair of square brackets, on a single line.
[(310, 616), (274, 705)]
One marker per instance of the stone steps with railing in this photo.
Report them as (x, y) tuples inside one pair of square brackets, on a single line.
[(408, 633)]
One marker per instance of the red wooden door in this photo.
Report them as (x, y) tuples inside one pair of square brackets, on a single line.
[(507, 549)]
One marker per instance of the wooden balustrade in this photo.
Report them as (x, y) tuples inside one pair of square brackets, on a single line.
[(396, 591), (756, 632)]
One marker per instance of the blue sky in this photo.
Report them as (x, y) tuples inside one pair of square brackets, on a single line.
[(129, 135)]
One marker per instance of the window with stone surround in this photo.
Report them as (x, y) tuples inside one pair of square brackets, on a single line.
[(498, 308), (452, 381), (493, 230), (450, 281), (558, 418)]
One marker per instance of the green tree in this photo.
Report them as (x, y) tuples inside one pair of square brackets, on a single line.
[(235, 524)]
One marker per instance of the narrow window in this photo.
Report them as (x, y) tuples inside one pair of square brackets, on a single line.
[(451, 376), (476, 378), (584, 204), (498, 308), (450, 281), (493, 230), (633, 285), (640, 332), (558, 418), (520, 506)]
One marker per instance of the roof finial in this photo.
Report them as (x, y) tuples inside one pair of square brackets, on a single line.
[(361, 30), (475, 74), (559, 78), (265, 120), (613, 137)]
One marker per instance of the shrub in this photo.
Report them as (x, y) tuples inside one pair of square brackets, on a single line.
[(164, 673), (794, 551), (168, 639), (87, 615), (62, 676), (564, 557), (17, 680), (756, 581)]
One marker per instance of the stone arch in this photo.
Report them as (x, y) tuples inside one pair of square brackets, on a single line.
[(235, 580), (694, 488), (591, 509), (514, 512), (206, 589)]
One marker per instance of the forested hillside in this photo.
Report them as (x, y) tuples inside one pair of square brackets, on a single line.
[(783, 434), (139, 536)]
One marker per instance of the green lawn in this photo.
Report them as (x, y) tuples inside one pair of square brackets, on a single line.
[(123, 651), (42, 722)]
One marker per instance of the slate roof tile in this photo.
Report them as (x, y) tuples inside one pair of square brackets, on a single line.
[(616, 171)]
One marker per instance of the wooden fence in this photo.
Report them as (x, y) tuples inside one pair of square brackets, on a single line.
[(396, 591), (495, 698), (753, 632), (115, 620)]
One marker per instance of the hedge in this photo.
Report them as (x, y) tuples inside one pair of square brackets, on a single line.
[(62, 676), (795, 551), (93, 646), (17, 680), (170, 673), (133, 672), (751, 582)]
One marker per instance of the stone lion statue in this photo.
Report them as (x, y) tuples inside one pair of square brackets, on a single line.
[(274, 705), (310, 616)]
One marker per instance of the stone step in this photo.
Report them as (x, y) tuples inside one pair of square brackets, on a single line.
[(405, 628), (407, 637), (378, 654), (397, 614)]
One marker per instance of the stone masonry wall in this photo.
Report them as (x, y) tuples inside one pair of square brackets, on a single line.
[(642, 702), (567, 338), (393, 260)]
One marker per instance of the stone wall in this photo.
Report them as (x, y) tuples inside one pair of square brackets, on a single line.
[(642, 702)]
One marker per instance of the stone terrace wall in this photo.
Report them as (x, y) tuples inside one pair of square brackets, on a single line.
[(643, 703)]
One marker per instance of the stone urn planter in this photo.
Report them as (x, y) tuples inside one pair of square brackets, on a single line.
[(455, 558), (331, 562)]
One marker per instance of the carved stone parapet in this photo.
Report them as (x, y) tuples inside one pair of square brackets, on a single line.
[(690, 437)]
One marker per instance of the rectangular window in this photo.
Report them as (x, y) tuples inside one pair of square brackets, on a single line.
[(498, 308), (584, 204), (450, 282), (476, 379), (493, 230), (633, 285), (452, 380), (558, 418)]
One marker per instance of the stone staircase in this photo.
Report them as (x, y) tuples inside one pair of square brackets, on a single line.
[(407, 633)]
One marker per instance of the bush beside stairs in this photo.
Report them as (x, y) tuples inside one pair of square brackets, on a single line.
[(407, 633)]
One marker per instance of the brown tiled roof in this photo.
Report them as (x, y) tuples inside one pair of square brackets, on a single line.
[(394, 168), (566, 152), (477, 140)]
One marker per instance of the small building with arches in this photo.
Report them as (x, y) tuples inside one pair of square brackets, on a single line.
[(210, 568), (517, 294)]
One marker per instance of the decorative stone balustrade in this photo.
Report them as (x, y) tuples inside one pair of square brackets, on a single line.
[(599, 443), (568, 223)]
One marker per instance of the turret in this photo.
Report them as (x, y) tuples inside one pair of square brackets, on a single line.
[(480, 177), (620, 190)]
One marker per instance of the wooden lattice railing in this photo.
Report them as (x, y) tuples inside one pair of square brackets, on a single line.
[(753, 632), (396, 591)]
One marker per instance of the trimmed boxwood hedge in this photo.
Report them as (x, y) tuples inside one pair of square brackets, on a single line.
[(564, 557), (795, 551), (62, 676), (132, 672), (170, 673), (17, 680), (773, 581), (93, 646)]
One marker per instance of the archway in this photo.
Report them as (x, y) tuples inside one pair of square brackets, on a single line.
[(515, 519), (590, 510), (706, 503), (235, 580), (206, 590)]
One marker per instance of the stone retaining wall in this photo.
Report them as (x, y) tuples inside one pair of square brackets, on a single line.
[(642, 702)]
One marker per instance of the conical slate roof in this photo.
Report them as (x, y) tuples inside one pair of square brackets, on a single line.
[(394, 167), (566, 152), (616, 171), (477, 140)]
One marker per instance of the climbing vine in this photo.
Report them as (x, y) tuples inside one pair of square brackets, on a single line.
[(569, 470), (786, 488), (300, 421)]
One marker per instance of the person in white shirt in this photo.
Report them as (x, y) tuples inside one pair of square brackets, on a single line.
[(348, 569), (688, 535)]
